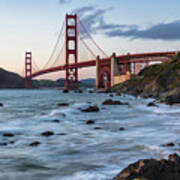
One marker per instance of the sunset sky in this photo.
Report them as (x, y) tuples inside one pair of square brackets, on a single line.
[(119, 26)]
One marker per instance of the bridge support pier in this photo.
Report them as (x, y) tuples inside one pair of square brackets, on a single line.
[(28, 70)]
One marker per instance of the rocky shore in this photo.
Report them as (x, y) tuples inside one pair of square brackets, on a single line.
[(151, 169), (160, 81)]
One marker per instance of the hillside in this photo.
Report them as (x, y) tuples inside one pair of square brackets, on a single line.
[(161, 81), (10, 80)]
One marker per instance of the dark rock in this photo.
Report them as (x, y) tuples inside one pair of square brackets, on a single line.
[(97, 128), (80, 91), (56, 121), (152, 104), (90, 122), (63, 104), (90, 91), (168, 145), (173, 99), (1, 105), (61, 134), (8, 135), (121, 128), (91, 109), (3, 144), (151, 169), (47, 133), (65, 91), (112, 102), (111, 95), (11, 142), (35, 143)]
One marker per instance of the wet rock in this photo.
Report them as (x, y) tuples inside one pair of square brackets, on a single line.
[(56, 121), (113, 102), (169, 145), (1, 105), (11, 142), (173, 99), (8, 135), (90, 122), (91, 109), (90, 91), (35, 143), (111, 95), (47, 133), (80, 91), (63, 104), (97, 128), (3, 143), (122, 129), (151, 169), (65, 91), (152, 104), (61, 134)]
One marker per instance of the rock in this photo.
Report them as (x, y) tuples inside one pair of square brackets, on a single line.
[(63, 104), (151, 169), (61, 134), (11, 142), (35, 143), (152, 104), (56, 121), (90, 91), (90, 122), (8, 135), (91, 109), (3, 144), (47, 133), (80, 91), (65, 91), (111, 95), (173, 99), (1, 105), (169, 145), (112, 102), (121, 128), (97, 128)]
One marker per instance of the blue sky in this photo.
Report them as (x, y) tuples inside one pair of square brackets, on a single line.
[(119, 26)]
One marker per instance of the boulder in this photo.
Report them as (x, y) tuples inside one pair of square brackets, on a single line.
[(63, 104), (1, 105), (65, 91), (56, 121), (97, 128), (152, 104), (91, 109), (121, 128), (8, 135), (113, 102), (47, 133), (90, 122), (35, 143), (169, 145), (151, 169)]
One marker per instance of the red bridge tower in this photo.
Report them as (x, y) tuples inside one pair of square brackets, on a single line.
[(71, 50), (28, 70)]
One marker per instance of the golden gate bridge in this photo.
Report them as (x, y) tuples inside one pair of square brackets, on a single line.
[(110, 70)]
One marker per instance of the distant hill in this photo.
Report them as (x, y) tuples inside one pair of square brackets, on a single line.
[(13, 80), (10, 80)]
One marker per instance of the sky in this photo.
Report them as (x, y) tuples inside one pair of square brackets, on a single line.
[(121, 26)]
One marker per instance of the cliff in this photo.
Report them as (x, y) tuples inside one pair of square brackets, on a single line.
[(161, 81)]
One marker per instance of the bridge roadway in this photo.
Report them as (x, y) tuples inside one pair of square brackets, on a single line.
[(122, 59)]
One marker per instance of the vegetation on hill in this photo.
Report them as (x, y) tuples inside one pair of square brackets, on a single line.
[(161, 81)]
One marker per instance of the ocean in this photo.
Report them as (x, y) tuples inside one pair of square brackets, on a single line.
[(77, 150)]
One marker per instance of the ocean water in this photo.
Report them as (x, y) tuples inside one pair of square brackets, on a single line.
[(79, 151)]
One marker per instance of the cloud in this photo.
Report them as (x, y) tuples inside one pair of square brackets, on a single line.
[(94, 19), (64, 1)]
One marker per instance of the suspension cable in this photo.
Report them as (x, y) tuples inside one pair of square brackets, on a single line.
[(85, 29)]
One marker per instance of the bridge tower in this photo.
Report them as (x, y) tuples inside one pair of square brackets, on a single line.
[(28, 70), (71, 51)]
